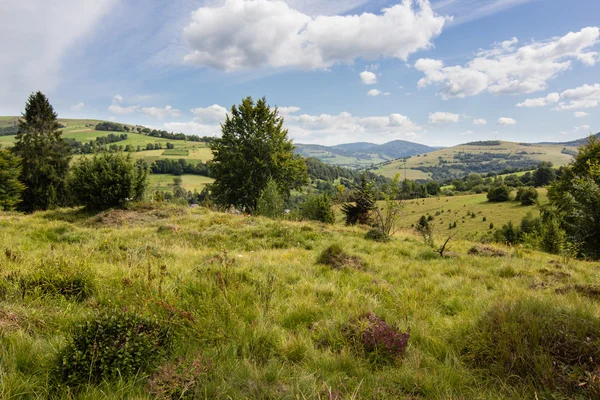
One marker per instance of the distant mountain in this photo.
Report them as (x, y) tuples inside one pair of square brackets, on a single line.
[(575, 143), (362, 154)]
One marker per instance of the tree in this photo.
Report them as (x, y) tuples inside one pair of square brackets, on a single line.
[(499, 193), (363, 199), (270, 203), (527, 196), (10, 186), (425, 230), (386, 216), (318, 208), (45, 156), (253, 149), (433, 188), (576, 197), (544, 174), (108, 180)]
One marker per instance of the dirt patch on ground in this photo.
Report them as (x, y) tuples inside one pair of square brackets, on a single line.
[(132, 217), (591, 291), (558, 275), (487, 251)]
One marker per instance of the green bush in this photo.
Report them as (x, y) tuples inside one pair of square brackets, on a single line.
[(377, 235), (499, 193), (270, 203), (108, 180), (337, 258), (527, 196), (548, 347), (317, 208), (110, 346)]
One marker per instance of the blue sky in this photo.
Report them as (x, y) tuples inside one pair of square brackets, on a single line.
[(439, 73)]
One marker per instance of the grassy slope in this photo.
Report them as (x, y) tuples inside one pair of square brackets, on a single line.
[(190, 182), (289, 347), (550, 152)]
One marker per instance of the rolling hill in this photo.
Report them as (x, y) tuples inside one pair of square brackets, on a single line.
[(362, 154)]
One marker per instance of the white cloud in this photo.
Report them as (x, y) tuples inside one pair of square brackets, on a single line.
[(161, 113), (541, 101), (193, 128), (373, 92), (117, 99), (580, 114), (508, 69), (116, 109), (214, 114), (578, 130), (506, 121), (77, 107), (582, 97), (368, 78), (248, 34), (467, 133), (36, 38), (479, 121), (284, 111), (443, 117)]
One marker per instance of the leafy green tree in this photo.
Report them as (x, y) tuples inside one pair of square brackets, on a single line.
[(576, 197), (499, 193), (253, 149), (363, 203), (527, 196), (270, 203), (318, 208), (10, 186), (108, 180), (45, 156), (433, 188), (544, 174)]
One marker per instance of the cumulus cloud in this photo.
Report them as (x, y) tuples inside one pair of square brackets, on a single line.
[(283, 111), (117, 108), (443, 117), (161, 113), (467, 133), (479, 121), (541, 101), (214, 114), (373, 92), (506, 121), (250, 34), (77, 107), (580, 114), (117, 99), (368, 78), (509, 69), (582, 97)]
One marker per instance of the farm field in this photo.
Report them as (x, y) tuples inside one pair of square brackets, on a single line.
[(252, 314), (189, 182)]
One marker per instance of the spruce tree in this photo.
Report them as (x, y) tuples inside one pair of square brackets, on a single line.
[(45, 156), (10, 186), (253, 149)]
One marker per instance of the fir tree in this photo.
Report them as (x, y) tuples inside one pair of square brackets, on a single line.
[(45, 156), (10, 186)]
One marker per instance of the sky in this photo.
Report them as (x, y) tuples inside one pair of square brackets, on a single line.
[(439, 72)]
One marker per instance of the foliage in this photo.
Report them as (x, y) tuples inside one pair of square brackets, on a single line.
[(112, 345), (317, 208), (527, 196), (377, 235), (499, 193), (10, 186), (109, 126), (108, 180), (337, 258), (270, 203), (547, 346), (425, 229), (576, 196), (381, 342), (45, 156), (253, 149), (364, 203), (544, 174), (386, 217)]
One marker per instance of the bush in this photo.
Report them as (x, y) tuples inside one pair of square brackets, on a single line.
[(270, 203), (108, 180), (110, 346), (377, 235), (550, 348), (527, 196), (499, 193), (317, 208), (337, 258), (382, 343)]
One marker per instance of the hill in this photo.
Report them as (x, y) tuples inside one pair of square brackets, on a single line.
[(361, 154), (477, 157), (250, 313), (574, 143)]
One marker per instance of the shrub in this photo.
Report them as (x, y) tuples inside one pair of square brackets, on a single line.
[(527, 196), (382, 343), (317, 208), (499, 193), (364, 203), (108, 180), (549, 347), (377, 235), (179, 379), (109, 346), (270, 203), (337, 258)]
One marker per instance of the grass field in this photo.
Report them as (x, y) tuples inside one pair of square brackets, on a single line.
[(190, 182), (536, 152), (245, 299)]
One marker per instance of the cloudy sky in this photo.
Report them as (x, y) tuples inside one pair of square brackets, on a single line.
[(437, 72)]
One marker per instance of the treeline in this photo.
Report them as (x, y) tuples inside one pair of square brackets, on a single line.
[(99, 144), (9, 130), (179, 167), (115, 127)]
